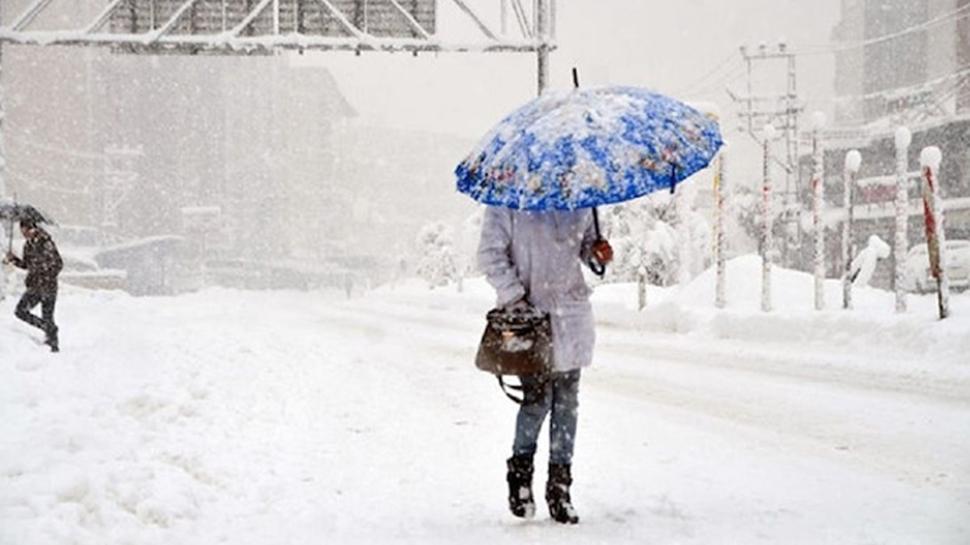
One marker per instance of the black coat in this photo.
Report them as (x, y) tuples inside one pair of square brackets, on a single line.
[(42, 261)]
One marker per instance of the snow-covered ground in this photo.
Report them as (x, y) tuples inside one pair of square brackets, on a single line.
[(282, 417)]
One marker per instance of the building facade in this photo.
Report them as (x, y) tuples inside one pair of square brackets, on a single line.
[(134, 146), (901, 60), (899, 63)]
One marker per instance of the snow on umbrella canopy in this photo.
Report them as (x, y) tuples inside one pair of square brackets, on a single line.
[(588, 147), (12, 212)]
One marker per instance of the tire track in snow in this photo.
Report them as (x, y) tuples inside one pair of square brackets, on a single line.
[(742, 356), (644, 375), (745, 359), (918, 440)]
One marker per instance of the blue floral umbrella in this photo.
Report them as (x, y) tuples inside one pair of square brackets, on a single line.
[(588, 147)]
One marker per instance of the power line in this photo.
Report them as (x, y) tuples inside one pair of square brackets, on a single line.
[(718, 85), (886, 93), (953, 15), (720, 64)]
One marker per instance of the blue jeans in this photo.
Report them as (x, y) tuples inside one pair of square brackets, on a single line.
[(558, 393)]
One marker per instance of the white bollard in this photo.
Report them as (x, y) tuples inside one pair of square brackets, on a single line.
[(682, 227), (930, 159), (853, 161), (818, 203), (641, 287), (903, 139), (720, 257), (3, 266), (766, 224)]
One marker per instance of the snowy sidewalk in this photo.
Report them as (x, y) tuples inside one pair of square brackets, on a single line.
[(272, 418)]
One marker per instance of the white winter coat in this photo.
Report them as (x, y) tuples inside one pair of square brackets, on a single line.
[(541, 255)]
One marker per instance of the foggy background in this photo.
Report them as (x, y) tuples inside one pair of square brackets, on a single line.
[(333, 161)]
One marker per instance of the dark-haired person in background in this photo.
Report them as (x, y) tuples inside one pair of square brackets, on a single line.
[(43, 263)]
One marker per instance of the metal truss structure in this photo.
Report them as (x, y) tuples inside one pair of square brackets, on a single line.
[(252, 26), (243, 27)]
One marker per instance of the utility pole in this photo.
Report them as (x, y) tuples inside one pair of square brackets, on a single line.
[(767, 240), (542, 35), (3, 168), (3, 152), (903, 138), (779, 110)]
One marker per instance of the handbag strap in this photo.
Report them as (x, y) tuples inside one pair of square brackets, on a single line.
[(506, 387), (543, 378)]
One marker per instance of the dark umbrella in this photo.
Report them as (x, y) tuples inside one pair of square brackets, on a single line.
[(16, 212)]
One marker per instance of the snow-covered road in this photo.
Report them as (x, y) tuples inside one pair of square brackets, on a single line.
[(271, 418)]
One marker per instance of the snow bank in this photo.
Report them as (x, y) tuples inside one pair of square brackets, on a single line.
[(281, 417), (871, 336), (912, 342)]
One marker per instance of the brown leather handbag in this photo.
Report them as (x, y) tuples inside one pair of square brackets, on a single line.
[(515, 342)]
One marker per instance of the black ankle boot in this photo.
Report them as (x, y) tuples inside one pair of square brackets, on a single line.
[(51, 339), (557, 494), (519, 477)]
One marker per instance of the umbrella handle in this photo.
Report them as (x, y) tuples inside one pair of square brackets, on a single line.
[(10, 233), (598, 268)]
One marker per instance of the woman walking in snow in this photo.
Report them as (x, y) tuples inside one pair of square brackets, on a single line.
[(535, 259)]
